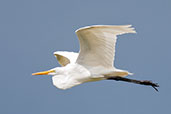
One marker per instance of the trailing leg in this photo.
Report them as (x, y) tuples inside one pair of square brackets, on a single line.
[(142, 82)]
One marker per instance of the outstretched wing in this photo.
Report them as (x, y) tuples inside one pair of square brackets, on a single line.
[(97, 44), (65, 57)]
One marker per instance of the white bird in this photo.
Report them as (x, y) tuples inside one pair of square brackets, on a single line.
[(95, 60)]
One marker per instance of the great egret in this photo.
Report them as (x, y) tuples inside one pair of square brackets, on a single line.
[(94, 62)]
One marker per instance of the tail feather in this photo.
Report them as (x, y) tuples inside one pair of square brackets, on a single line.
[(120, 73)]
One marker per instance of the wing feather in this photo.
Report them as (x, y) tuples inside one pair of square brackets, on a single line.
[(65, 57), (97, 44)]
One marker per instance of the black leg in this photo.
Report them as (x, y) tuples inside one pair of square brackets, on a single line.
[(142, 82)]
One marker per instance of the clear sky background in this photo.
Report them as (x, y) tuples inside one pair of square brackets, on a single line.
[(31, 30)]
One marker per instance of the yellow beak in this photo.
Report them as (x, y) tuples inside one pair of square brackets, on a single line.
[(43, 73)]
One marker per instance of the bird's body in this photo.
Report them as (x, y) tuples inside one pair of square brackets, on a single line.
[(74, 74), (95, 60)]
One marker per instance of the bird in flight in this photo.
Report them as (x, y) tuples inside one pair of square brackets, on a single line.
[(95, 60)]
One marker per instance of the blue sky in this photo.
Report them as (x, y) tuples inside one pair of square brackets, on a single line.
[(31, 30)]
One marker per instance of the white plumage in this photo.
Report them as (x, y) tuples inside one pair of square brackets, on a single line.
[(95, 59), (65, 57)]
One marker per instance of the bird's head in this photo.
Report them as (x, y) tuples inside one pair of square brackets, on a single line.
[(54, 71)]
